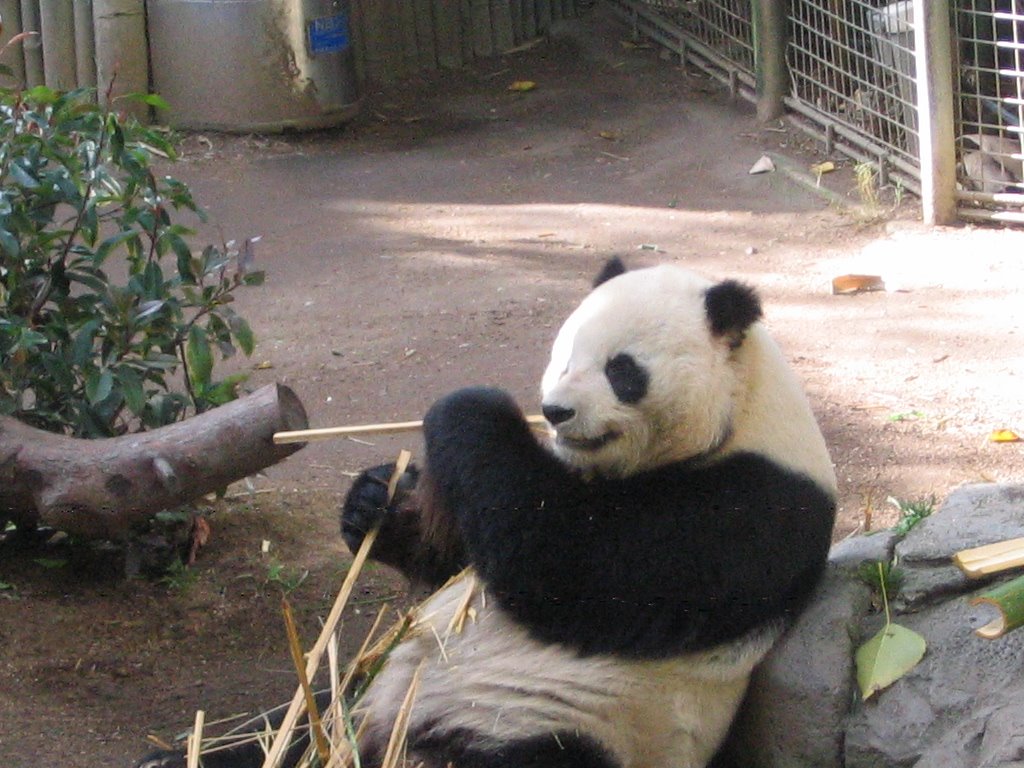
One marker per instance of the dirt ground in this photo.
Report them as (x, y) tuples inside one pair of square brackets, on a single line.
[(439, 241)]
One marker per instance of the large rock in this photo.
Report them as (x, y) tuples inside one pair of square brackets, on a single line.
[(961, 707)]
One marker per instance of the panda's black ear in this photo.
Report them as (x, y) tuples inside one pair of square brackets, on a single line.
[(612, 268), (732, 307)]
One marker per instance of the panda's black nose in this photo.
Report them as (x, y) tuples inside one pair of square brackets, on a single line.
[(556, 414)]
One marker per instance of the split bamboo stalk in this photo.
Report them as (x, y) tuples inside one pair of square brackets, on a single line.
[(991, 558), (284, 734), (1008, 600), (295, 646), (387, 428), (195, 741)]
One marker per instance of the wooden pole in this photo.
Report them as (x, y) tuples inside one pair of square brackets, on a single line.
[(770, 24), (57, 31), (122, 59), (936, 147), (33, 45), (85, 44), (13, 56)]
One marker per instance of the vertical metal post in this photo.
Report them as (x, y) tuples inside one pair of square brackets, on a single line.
[(936, 147), (769, 28)]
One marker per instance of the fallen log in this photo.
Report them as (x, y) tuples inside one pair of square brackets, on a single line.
[(97, 489)]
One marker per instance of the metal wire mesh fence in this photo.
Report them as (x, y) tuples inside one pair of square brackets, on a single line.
[(990, 103), (723, 26), (715, 35), (852, 63), (852, 73)]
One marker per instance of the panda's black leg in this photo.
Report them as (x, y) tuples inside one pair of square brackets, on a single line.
[(565, 750)]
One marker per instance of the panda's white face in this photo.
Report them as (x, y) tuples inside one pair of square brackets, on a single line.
[(637, 379)]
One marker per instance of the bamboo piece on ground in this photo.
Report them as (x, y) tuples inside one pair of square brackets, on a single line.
[(991, 558), (283, 737), (1008, 599), (386, 428), (195, 741), (315, 725)]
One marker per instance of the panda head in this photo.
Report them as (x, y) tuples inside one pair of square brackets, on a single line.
[(647, 370)]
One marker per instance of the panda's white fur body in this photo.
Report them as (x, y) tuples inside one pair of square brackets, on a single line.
[(492, 679)]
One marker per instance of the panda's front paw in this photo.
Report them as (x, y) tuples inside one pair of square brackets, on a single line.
[(366, 505)]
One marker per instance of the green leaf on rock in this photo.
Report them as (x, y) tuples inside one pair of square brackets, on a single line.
[(886, 657)]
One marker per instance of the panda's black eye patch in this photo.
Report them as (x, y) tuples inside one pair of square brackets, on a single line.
[(627, 377)]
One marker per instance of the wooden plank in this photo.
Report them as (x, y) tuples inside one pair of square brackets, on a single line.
[(410, 56), (10, 12), (543, 16), (529, 20), (447, 33), (392, 54), (501, 25), (357, 33), (375, 24), (426, 35), (516, 10), (466, 26), (480, 17)]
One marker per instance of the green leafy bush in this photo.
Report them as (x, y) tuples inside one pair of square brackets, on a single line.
[(109, 321)]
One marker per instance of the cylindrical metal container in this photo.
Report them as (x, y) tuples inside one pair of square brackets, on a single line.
[(253, 65)]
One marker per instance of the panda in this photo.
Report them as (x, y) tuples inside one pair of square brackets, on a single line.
[(625, 573)]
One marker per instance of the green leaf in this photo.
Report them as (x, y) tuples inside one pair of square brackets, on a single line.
[(39, 95), (225, 391), (82, 348), (886, 657), (98, 385), (150, 99), (199, 357), (243, 334), (9, 244), (131, 387), (51, 562), (112, 242), (22, 177)]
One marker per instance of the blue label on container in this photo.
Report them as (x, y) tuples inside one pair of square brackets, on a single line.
[(328, 34)]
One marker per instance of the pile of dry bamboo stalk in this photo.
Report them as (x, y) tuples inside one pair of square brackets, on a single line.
[(330, 732)]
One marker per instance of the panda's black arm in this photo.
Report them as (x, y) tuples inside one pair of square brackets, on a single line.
[(679, 559)]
